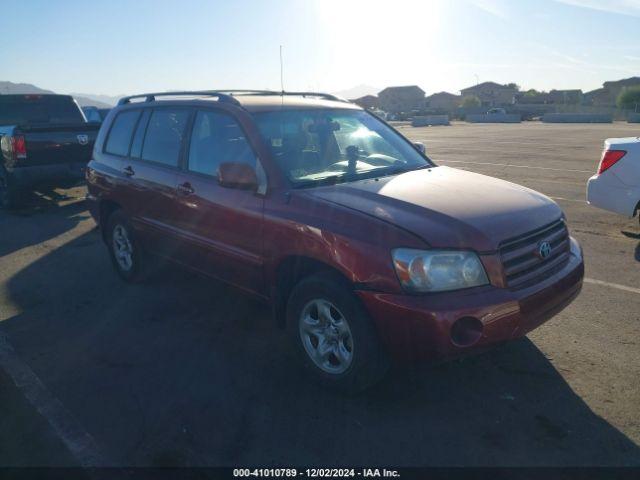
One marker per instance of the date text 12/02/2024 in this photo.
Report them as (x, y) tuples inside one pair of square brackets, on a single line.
[(316, 472)]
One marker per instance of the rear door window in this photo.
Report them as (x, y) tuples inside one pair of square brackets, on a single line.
[(217, 138), (165, 132), (121, 132), (138, 138)]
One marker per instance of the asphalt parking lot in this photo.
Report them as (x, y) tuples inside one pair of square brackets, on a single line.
[(184, 371)]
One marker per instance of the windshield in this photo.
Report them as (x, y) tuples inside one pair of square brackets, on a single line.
[(313, 146)]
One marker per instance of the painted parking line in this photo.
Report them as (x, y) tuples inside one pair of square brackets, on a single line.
[(79, 443), (612, 285), (515, 166), (537, 144)]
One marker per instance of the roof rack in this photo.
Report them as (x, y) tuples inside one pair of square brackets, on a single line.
[(151, 97), (228, 95), (326, 96)]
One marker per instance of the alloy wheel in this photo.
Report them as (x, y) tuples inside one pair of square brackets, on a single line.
[(326, 336), (122, 248)]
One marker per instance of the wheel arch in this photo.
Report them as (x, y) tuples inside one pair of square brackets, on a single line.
[(289, 271), (106, 208)]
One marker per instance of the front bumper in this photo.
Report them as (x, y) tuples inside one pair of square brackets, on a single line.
[(420, 326)]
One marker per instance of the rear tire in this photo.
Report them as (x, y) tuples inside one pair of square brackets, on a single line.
[(333, 335), (127, 255)]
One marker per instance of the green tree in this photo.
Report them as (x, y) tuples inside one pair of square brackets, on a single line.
[(629, 98), (513, 85), (532, 92), (470, 101)]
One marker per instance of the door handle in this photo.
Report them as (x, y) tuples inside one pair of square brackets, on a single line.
[(185, 188), (128, 171)]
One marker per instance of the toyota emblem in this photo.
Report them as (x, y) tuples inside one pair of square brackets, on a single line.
[(544, 250)]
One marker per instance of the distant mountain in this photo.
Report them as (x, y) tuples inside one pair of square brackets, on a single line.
[(8, 88), (90, 102), (357, 92), (106, 99)]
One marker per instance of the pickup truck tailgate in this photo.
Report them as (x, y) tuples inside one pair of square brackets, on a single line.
[(56, 144)]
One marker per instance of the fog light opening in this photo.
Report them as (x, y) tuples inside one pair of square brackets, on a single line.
[(466, 331)]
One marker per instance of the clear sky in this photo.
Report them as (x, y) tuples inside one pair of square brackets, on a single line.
[(113, 47)]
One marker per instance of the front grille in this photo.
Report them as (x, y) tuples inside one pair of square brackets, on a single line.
[(521, 261)]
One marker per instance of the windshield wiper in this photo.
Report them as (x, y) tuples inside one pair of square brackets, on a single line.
[(330, 180), (346, 177), (388, 171)]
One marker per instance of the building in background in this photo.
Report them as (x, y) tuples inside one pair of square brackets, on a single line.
[(566, 97), (533, 98), (600, 97), (608, 94), (368, 102), (554, 97), (492, 94), (442, 102), (616, 87), (401, 99)]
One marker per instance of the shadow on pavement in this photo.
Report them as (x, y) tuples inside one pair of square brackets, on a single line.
[(32, 224), (184, 371), (636, 253)]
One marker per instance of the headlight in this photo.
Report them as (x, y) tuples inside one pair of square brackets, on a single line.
[(438, 270)]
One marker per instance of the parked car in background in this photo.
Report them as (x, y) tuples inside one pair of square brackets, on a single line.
[(103, 113), (379, 113), (95, 114), (616, 185), (496, 111), (364, 248), (43, 138)]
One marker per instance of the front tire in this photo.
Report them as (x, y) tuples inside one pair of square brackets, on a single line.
[(125, 251), (333, 335)]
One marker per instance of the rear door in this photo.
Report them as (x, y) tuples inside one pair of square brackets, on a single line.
[(221, 227), (152, 169)]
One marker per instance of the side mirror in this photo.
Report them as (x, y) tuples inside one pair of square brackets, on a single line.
[(237, 175), (420, 147)]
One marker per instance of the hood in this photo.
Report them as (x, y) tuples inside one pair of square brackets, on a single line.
[(448, 208)]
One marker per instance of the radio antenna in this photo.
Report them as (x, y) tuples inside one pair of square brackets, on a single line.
[(281, 72)]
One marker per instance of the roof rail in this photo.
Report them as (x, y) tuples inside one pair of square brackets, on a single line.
[(151, 97), (228, 95), (326, 96)]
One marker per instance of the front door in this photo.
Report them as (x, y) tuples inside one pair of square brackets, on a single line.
[(221, 227)]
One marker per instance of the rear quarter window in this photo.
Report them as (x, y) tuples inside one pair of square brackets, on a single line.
[(120, 134)]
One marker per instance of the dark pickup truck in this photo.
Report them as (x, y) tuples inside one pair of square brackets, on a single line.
[(43, 139)]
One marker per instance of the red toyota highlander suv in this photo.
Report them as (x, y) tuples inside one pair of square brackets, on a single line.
[(365, 249)]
